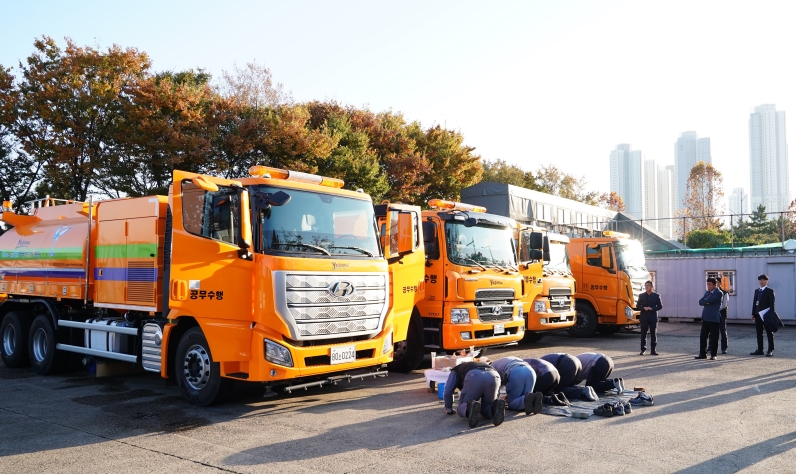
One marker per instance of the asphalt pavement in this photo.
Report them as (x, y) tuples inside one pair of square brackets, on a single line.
[(735, 414)]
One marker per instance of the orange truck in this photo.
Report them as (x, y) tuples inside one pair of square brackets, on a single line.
[(610, 272), (548, 282), (276, 278), (470, 292)]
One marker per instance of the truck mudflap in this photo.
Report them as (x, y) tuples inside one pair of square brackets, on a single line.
[(333, 380)]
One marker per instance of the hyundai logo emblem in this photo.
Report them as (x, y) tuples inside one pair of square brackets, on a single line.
[(341, 288), (497, 310)]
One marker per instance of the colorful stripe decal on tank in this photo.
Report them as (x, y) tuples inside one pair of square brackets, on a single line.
[(123, 274), (129, 251), (41, 253), (51, 272)]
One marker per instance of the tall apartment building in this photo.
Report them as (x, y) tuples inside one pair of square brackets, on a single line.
[(738, 202), (650, 193), (688, 150), (665, 199), (768, 159), (626, 178)]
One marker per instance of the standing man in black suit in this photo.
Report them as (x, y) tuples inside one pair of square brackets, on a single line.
[(763, 307), (648, 304)]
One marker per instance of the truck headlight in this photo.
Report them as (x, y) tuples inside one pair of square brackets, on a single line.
[(460, 315), (539, 307), (277, 354), (629, 313), (387, 345)]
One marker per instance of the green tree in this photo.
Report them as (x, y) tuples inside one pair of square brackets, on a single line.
[(708, 238), (453, 165), (499, 171), (611, 201), (70, 104)]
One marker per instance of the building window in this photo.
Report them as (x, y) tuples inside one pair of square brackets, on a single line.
[(727, 279), (544, 212)]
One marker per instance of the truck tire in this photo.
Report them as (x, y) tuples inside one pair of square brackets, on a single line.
[(44, 358), (585, 321), (408, 354), (532, 337), (14, 331), (198, 376)]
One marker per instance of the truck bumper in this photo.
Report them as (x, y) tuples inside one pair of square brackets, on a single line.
[(310, 361), (481, 333), (553, 321)]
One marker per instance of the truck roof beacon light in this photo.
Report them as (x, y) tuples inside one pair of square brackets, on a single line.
[(261, 171), (455, 206)]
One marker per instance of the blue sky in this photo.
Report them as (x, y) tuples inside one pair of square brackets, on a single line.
[(530, 82)]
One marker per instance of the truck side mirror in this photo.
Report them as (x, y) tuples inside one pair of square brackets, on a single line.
[(605, 257), (546, 245), (430, 240), (536, 241), (406, 233), (537, 255)]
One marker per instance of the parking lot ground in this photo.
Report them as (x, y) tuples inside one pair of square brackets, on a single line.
[(735, 414)]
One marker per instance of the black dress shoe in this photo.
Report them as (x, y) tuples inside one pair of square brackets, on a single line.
[(723, 352), (701, 357), (713, 357), (770, 353), (654, 353), (642, 352), (757, 353)]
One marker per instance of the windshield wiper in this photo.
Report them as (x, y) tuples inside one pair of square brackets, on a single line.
[(363, 251), (474, 262), (317, 248)]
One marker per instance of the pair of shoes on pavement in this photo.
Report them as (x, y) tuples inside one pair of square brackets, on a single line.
[(760, 353), (619, 385), (533, 403), (558, 399), (612, 409), (589, 394), (474, 411), (704, 357), (653, 352), (620, 408), (642, 399)]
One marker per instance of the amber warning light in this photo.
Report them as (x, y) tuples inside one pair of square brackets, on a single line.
[(261, 171), (7, 205), (456, 206)]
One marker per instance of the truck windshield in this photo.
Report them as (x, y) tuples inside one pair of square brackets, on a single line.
[(480, 245), (559, 258), (630, 256), (315, 223)]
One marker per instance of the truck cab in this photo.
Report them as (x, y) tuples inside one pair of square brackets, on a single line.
[(610, 272), (472, 282), (548, 282)]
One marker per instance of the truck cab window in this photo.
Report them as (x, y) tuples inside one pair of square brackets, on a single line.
[(593, 255), (212, 215)]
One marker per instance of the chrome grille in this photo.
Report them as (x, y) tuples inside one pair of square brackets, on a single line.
[(486, 313), (331, 328), (484, 294), (318, 306), (557, 291), (560, 304)]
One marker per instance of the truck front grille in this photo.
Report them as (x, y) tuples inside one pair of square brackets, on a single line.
[(487, 313), (331, 305), (493, 294)]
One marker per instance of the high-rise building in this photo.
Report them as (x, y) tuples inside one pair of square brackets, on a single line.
[(768, 159), (688, 150), (626, 178), (738, 202), (650, 193), (665, 195)]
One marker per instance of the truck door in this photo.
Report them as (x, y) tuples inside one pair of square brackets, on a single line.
[(211, 269), (600, 278), (403, 247)]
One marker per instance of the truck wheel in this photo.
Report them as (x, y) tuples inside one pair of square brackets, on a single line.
[(585, 321), (533, 337), (44, 358), (198, 376), (14, 331), (408, 354)]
